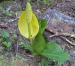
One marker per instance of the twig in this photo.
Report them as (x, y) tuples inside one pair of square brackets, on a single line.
[(62, 35), (54, 35), (64, 38), (67, 40), (68, 34)]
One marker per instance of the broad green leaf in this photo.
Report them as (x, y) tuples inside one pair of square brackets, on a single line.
[(53, 51), (38, 44), (28, 23)]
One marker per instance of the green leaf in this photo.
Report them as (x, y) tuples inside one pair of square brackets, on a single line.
[(53, 51), (48, 2), (42, 23), (7, 44), (5, 34), (7, 13), (26, 46), (38, 44), (44, 62)]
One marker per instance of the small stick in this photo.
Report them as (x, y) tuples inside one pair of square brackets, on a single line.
[(64, 38), (61, 36), (67, 40)]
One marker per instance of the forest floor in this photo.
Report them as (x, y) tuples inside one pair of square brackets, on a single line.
[(9, 14)]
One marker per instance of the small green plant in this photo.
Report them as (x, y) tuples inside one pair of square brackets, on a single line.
[(6, 43), (33, 30), (48, 2)]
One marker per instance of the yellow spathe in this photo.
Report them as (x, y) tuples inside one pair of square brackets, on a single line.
[(28, 23)]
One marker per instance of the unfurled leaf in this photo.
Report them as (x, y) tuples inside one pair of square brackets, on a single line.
[(53, 51), (28, 23), (38, 44)]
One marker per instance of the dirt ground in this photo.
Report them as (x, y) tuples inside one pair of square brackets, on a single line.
[(66, 7)]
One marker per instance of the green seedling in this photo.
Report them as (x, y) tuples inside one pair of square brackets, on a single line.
[(6, 43)]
